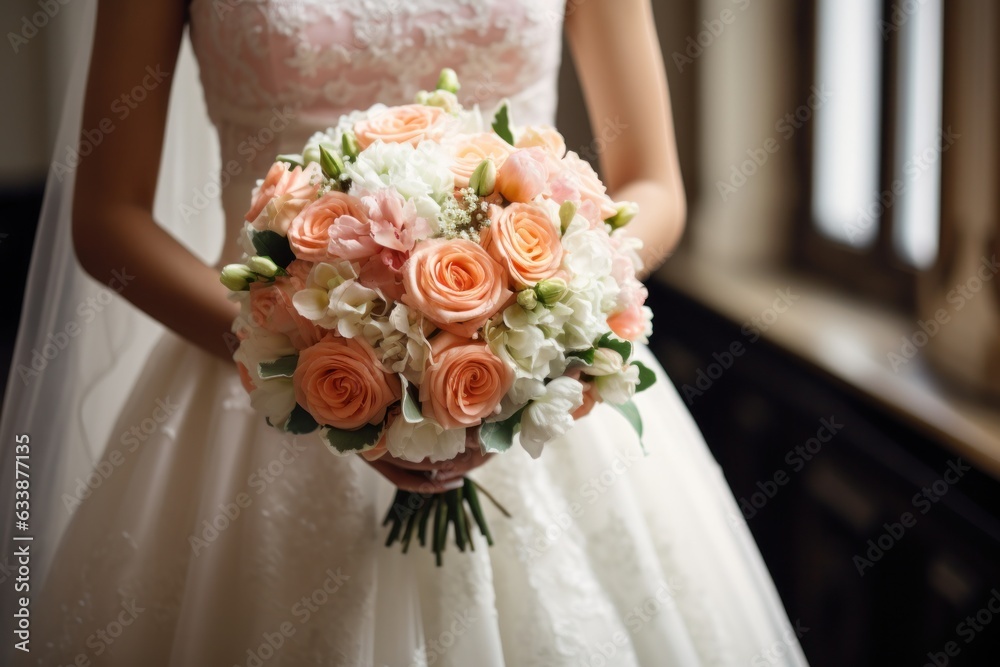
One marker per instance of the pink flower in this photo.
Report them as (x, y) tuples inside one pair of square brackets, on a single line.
[(523, 175), (577, 181), (271, 308), (630, 320), (394, 221), (383, 273), (282, 180), (396, 227)]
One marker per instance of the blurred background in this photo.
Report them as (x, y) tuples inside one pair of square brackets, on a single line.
[(832, 318)]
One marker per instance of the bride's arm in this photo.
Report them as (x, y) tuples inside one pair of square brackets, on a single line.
[(620, 66), (113, 226)]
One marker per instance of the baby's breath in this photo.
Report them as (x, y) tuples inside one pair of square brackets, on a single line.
[(463, 216)]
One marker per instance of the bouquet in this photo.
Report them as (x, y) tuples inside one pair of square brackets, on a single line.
[(415, 273)]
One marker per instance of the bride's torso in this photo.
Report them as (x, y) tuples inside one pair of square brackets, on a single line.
[(276, 71)]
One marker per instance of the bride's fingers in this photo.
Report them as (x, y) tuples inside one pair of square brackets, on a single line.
[(413, 481)]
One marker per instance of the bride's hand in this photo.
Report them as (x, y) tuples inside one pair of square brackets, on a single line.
[(426, 477)]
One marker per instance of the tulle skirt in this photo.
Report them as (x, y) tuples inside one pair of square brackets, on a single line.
[(204, 537)]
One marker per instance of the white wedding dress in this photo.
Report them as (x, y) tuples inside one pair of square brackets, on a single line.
[(213, 541)]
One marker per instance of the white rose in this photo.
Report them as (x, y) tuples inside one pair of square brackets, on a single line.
[(550, 415)]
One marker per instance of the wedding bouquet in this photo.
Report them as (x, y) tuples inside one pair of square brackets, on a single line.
[(415, 273)]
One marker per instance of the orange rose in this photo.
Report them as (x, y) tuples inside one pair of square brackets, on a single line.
[(474, 149), (341, 383), (525, 239), (464, 382), (407, 124), (282, 180), (455, 284), (310, 233)]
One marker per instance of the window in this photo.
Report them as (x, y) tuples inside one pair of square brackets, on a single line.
[(874, 215)]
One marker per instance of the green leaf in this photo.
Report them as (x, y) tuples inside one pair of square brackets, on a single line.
[(647, 378), (610, 342), (497, 437), (411, 411), (631, 413), (273, 245), (282, 367), (587, 356), (358, 440), (300, 421), (501, 124)]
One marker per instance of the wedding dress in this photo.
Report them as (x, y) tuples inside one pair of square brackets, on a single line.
[(207, 538)]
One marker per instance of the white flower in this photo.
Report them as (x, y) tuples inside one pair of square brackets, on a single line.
[(580, 317), (400, 341), (334, 299), (425, 439), (588, 253), (606, 362), (618, 388), (421, 174), (272, 397), (550, 415), (523, 344)]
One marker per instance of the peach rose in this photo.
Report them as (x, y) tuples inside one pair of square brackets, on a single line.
[(455, 284), (525, 239), (407, 124), (464, 381), (524, 175), (340, 382), (283, 180), (544, 137), (316, 234), (472, 150)]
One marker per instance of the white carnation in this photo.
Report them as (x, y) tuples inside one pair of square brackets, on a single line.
[(425, 439), (422, 175), (550, 415), (521, 340)]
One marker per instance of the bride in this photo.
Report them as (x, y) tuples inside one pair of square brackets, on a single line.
[(201, 536)]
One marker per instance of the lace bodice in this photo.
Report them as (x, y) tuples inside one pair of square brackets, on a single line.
[(275, 71)]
